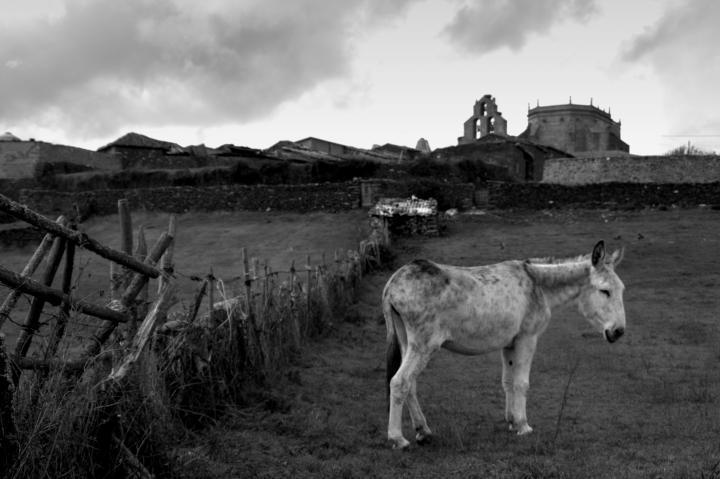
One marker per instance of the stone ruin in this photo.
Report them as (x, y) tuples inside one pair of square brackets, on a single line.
[(405, 216)]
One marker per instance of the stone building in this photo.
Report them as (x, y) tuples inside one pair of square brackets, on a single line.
[(30, 158), (582, 130), (510, 158), (486, 119), (139, 151)]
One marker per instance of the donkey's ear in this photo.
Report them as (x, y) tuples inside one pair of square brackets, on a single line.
[(617, 256), (598, 254)]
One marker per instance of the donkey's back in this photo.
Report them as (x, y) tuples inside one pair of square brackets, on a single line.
[(468, 310)]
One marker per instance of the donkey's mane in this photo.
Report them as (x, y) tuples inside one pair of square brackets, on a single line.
[(555, 272), (554, 260)]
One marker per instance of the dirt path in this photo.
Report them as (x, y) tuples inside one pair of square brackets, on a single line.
[(647, 406)]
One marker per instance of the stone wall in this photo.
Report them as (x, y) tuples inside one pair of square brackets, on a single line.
[(180, 199), (633, 169), (602, 195)]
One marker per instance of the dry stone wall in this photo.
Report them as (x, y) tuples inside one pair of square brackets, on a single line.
[(632, 169), (179, 199), (602, 195)]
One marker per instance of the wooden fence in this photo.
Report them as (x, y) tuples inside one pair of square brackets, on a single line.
[(242, 338)]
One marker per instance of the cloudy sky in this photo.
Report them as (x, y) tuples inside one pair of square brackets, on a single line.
[(359, 72)]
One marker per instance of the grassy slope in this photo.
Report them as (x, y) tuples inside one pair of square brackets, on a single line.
[(647, 406)]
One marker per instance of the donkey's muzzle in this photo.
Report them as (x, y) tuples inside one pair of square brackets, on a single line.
[(614, 335)]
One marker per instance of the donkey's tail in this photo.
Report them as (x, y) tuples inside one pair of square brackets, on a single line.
[(393, 322)]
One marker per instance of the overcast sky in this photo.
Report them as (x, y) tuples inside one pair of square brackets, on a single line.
[(359, 72)]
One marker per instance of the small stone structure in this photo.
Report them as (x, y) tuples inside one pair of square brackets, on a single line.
[(486, 119), (406, 216)]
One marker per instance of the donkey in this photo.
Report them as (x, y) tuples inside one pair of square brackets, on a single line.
[(478, 309)]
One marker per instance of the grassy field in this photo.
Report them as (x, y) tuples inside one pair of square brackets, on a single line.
[(204, 241), (646, 406)]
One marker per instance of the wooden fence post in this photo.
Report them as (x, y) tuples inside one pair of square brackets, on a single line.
[(37, 257), (126, 238), (211, 295), (142, 297), (32, 320), (253, 319), (198, 301), (128, 296), (166, 263), (62, 319), (158, 310), (308, 292), (8, 431)]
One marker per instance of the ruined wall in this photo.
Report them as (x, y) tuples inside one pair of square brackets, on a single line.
[(602, 195), (180, 199), (643, 169), (18, 159)]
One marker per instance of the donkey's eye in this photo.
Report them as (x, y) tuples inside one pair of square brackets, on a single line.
[(605, 292)]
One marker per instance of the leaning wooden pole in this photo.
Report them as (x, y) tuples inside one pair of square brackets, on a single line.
[(24, 213), (56, 297), (128, 297), (166, 263), (32, 320), (141, 252), (158, 310), (61, 322), (12, 298)]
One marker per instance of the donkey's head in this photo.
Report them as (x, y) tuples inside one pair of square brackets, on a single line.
[(601, 302)]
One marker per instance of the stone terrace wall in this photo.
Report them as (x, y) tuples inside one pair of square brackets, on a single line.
[(180, 199), (602, 195), (632, 169)]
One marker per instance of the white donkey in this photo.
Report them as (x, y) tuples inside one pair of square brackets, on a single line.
[(474, 310)]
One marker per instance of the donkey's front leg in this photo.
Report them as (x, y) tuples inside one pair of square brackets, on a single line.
[(518, 381)]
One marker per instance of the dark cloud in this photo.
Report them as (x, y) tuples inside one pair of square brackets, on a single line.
[(487, 25), (106, 63)]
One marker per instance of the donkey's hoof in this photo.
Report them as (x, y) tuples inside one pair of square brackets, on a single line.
[(423, 438), (400, 444), (524, 429)]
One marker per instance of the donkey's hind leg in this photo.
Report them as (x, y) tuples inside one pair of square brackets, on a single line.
[(413, 362), (422, 431)]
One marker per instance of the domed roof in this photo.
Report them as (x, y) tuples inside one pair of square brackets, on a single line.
[(7, 136)]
